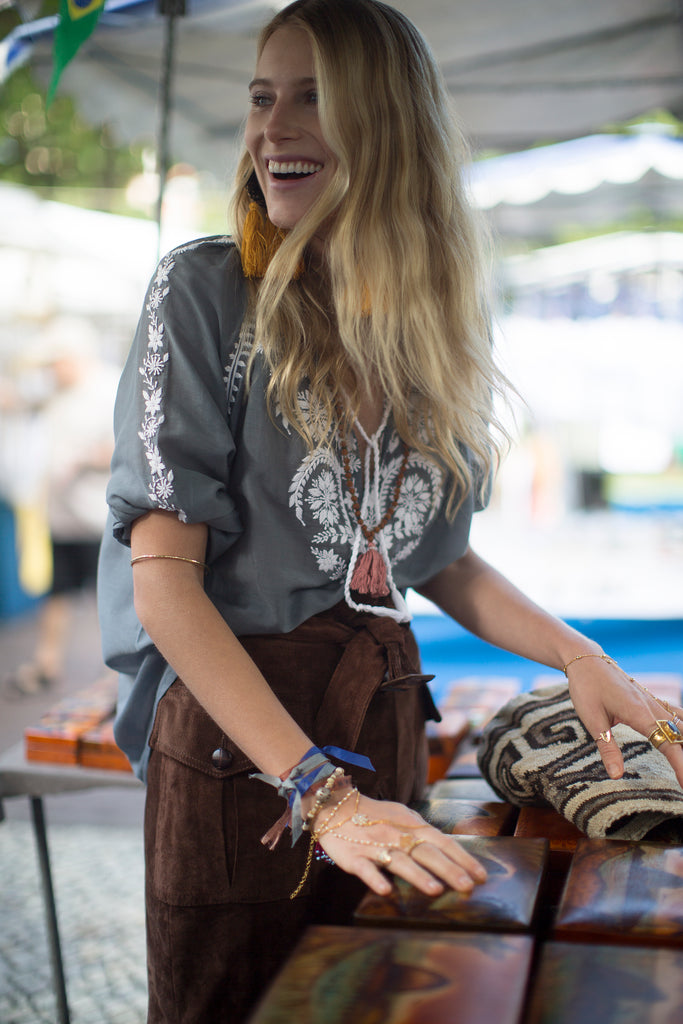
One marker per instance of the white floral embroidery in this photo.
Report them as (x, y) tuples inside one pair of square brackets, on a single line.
[(237, 363), (329, 562), (153, 371), (318, 495), (304, 401), (322, 498), (413, 506)]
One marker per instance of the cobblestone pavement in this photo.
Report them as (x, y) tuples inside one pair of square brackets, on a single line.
[(98, 880)]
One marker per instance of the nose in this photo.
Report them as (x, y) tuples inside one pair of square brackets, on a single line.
[(282, 122)]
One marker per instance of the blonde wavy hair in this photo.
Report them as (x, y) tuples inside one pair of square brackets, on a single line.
[(400, 301)]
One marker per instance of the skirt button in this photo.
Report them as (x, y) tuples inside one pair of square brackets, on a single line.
[(221, 758)]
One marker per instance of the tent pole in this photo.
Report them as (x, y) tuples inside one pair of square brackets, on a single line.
[(170, 10)]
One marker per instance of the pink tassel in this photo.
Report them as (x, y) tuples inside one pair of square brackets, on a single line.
[(274, 833), (370, 574)]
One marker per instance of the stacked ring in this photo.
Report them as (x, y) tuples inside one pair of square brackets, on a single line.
[(665, 732)]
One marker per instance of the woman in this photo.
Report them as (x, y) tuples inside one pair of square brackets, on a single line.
[(304, 428)]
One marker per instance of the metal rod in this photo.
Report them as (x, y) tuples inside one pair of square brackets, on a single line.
[(165, 112), (50, 910)]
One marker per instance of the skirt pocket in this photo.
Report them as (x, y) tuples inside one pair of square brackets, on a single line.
[(203, 823)]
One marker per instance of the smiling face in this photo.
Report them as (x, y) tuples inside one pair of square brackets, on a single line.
[(283, 135)]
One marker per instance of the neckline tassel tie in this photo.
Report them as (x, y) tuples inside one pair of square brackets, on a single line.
[(370, 571), (370, 574)]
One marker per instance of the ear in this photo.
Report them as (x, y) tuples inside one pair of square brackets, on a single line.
[(254, 190)]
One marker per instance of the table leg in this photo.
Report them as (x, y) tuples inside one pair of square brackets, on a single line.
[(50, 910)]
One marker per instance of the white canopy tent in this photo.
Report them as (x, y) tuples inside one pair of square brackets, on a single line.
[(520, 73), (596, 182)]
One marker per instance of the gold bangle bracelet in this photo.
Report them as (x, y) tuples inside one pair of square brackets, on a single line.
[(173, 558)]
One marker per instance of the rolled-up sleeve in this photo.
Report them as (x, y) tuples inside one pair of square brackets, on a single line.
[(174, 446)]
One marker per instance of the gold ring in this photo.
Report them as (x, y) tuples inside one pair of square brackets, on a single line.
[(665, 732), (407, 843), (606, 736), (384, 858)]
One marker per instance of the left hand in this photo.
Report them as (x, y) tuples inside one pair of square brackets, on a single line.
[(604, 696), (397, 839)]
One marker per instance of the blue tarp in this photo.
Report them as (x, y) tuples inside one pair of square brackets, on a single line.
[(639, 645)]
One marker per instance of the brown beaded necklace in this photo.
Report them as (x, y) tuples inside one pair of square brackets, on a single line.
[(369, 575)]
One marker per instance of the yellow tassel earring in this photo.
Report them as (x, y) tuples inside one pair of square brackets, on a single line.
[(260, 241), (260, 238)]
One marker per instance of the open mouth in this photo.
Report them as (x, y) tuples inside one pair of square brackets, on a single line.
[(292, 170)]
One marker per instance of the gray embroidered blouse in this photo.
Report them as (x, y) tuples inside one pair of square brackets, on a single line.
[(283, 537)]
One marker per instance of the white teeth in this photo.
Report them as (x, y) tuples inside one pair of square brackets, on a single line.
[(276, 167)]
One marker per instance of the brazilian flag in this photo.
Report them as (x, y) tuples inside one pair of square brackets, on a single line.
[(77, 19)]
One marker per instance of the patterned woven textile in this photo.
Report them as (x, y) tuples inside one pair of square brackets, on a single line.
[(536, 752)]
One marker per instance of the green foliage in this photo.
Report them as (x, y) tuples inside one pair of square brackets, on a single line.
[(54, 147)]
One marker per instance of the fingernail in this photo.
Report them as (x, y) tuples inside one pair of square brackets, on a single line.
[(613, 772)]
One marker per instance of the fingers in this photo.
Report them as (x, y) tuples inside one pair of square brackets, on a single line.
[(675, 759), (604, 695), (664, 738), (431, 868), (668, 737), (431, 874), (610, 753), (424, 857)]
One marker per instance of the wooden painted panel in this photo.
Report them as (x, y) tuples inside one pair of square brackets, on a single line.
[(464, 764), (381, 976), (505, 902), (623, 892), (547, 823), (463, 789), (468, 817), (480, 697), (595, 984), (444, 738)]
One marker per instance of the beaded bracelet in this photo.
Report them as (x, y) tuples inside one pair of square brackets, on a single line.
[(312, 769), (327, 825), (322, 797)]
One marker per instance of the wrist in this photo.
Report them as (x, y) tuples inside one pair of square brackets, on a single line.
[(576, 648), (323, 796), (600, 655)]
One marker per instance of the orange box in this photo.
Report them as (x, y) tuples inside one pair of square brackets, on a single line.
[(97, 749), (55, 738)]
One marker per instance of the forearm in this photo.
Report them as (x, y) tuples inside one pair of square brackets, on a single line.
[(483, 601), (193, 637)]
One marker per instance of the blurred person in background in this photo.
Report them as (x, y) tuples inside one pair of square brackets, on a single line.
[(65, 397)]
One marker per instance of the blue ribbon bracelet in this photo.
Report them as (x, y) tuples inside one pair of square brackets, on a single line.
[(313, 767)]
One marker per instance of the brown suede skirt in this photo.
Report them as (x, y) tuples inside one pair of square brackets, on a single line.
[(219, 918)]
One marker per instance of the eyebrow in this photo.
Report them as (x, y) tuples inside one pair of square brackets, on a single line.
[(269, 82)]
